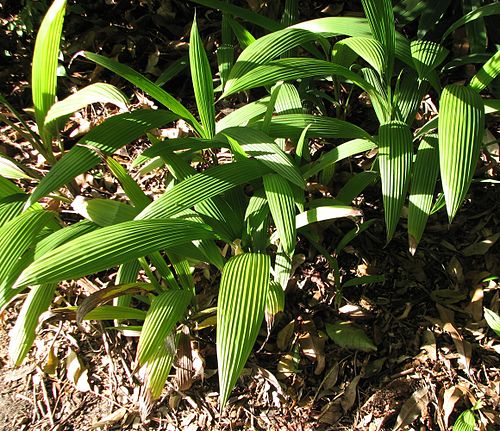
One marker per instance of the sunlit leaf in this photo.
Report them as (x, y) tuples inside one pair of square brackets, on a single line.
[(202, 82), (240, 311), (103, 140), (281, 203), (110, 246), (165, 311), (45, 62), (461, 128), (425, 173), (323, 213), (493, 320), (395, 158), (94, 93), (147, 86), (488, 73), (339, 153), (24, 332)]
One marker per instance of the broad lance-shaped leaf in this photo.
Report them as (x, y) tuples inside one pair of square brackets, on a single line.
[(291, 125), (240, 311), (487, 73), (104, 139), (104, 212), (15, 238), (110, 246), (202, 82), (369, 49), (395, 157), (425, 173), (381, 19), (461, 129), (281, 203), (158, 367), (427, 55), (94, 93), (153, 90), (288, 69), (341, 152), (323, 213), (165, 311), (202, 186), (24, 332), (44, 68), (488, 10)]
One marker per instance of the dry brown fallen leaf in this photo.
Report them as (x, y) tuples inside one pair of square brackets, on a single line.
[(110, 419), (349, 397), (412, 408), (76, 372), (481, 248), (450, 398)]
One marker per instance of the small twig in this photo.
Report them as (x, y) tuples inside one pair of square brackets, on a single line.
[(47, 402)]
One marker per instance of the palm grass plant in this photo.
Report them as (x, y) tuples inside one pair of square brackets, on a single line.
[(242, 216)]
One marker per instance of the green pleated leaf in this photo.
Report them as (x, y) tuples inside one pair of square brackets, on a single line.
[(131, 188), (158, 367), (247, 15), (395, 157), (281, 203), (341, 152), (202, 186), (425, 173), (104, 212), (465, 422), (240, 311), (94, 93), (355, 186), (62, 236), (275, 303), (153, 90), (487, 73), (493, 320), (7, 188), (110, 246), (292, 125), (11, 206), (15, 238), (244, 115), (261, 147), (353, 233), (172, 70), (408, 95), (202, 82), (490, 9), (325, 213), (256, 218), (11, 169), (44, 66), (288, 69), (381, 19), (165, 311), (266, 48), (369, 49), (427, 55), (225, 60), (103, 140), (245, 38), (461, 128), (24, 332)]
